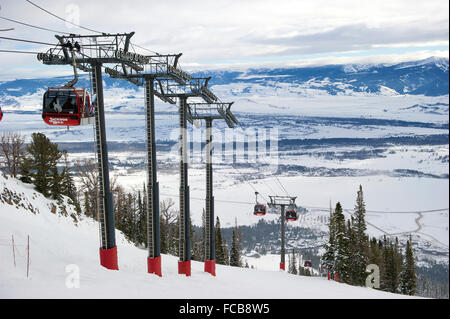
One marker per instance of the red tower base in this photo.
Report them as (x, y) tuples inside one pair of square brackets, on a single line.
[(282, 266), (184, 267), (108, 258), (154, 266), (210, 266)]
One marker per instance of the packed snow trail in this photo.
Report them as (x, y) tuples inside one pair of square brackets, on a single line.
[(59, 248)]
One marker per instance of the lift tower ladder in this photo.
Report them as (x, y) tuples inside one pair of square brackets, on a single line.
[(282, 202), (210, 112), (95, 51)]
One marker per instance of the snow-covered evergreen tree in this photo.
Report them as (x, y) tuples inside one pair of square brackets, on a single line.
[(329, 257), (408, 278), (292, 263), (235, 251), (221, 250), (343, 253), (360, 247)]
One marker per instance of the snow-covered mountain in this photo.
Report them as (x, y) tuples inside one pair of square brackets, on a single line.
[(63, 245), (427, 77)]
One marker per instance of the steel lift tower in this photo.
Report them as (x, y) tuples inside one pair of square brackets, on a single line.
[(195, 87), (210, 112), (158, 67), (282, 202), (95, 51)]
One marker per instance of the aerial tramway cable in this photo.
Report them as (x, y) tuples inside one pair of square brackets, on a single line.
[(15, 51), (32, 26), (27, 41), (58, 17), (80, 26)]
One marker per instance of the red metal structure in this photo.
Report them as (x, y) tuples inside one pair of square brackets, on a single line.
[(67, 107)]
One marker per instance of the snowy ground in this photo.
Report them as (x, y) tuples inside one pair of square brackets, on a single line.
[(59, 249)]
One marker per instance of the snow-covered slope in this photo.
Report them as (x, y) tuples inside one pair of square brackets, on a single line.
[(59, 240)]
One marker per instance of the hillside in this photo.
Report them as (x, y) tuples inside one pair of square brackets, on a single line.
[(59, 238)]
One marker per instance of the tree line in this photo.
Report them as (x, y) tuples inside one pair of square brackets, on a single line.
[(349, 251), (42, 164)]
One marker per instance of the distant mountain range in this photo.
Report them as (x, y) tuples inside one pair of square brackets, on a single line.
[(429, 77)]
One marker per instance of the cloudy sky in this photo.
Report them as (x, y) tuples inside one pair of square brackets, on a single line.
[(235, 34)]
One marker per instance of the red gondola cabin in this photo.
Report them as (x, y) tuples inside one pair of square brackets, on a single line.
[(1, 114), (67, 107), (291, 215), (307, 263), (260, 210)]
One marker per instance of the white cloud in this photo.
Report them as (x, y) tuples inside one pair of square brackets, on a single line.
[(229, 32)]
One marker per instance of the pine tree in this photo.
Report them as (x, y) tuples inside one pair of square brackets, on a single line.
[(329, 257), (141, 237), (226, 254), (374, 253), (342, 254), (360, 247), (408, 281), (173, 238), (87, 206), (40, 166), (235, 252), (55, 184), (68, 184), (389, 275), (196, 244), (293, 263), (301, 270), (221, 257), (398, 261), (353, 253)]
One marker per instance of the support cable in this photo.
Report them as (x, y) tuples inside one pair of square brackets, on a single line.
[(254, 188), (80, 26), (32, 26), (14, 51), (284, 189), (28, 41), (56, 16)]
